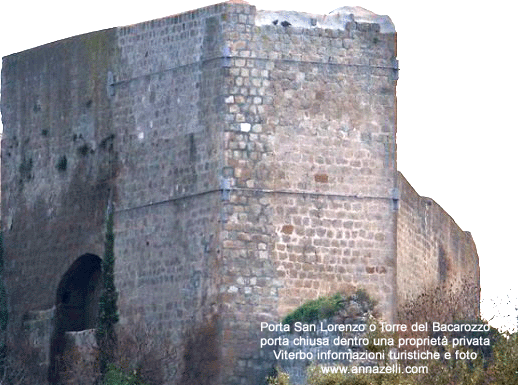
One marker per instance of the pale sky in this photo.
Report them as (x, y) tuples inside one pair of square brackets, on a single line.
[(456, 103)]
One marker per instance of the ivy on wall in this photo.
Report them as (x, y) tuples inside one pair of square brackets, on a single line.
[(108, 312), (3, 295)]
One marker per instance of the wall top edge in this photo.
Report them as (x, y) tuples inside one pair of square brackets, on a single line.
[(337, 19), (57, 43), (408, 192)]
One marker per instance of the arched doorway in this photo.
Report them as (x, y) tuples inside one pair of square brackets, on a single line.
[(77, 305), (77, 299)]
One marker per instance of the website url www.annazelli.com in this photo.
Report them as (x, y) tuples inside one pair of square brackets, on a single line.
[(389, 369)]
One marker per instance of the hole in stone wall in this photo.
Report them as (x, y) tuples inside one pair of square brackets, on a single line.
[(62, 163), (77, 307), (26, 168), (83, 150), (78, 294)]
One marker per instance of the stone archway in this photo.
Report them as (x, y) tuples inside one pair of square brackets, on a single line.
[(77, 305)]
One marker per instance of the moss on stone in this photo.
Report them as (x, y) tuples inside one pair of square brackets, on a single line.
[(326, 307), (317, 309)]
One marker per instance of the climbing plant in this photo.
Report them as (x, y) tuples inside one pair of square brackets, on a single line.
[(3, 295), (3, 309), (108, 312)]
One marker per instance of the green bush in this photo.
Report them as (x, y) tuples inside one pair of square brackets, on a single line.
[(501, 371), (499, 368), (326, 307), (485, 351), (504, 368), (496, 364), (318, 309), (116, 376)]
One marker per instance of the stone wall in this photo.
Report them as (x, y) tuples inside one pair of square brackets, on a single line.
[(250, 157), (57, 175), (167, 102), (433, 251), (131, 115), (309, 153)]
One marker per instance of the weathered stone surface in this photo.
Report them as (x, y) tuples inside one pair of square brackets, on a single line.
[(252, 166), (433, 250)]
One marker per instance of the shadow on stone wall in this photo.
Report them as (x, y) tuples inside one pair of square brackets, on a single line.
[(202, 355)]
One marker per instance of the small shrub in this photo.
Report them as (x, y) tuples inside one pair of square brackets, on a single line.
[(142, 354), (318, 309), (362, 296), (280, 378), (377, 335), (484, 350), (326, 307), (504, 367), (117, 376)]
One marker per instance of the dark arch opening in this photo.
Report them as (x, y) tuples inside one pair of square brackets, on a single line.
[(77, 306), (77, 299)]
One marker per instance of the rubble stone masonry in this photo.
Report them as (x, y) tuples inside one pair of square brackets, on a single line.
[(251, 160)]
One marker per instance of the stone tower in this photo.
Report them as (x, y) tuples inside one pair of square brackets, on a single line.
[(251, 160)]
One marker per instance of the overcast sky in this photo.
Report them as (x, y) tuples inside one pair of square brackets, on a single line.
[(457, 103)]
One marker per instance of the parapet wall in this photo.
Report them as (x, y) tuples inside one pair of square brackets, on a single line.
[(433, 250)]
